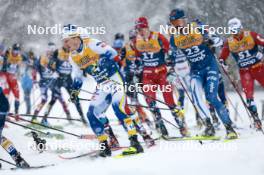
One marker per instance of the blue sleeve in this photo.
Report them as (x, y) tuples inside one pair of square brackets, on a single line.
[(172, 43), (77, 83), (173, 48)]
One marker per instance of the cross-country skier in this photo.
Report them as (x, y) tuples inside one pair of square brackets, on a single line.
[(5, 142), (132, 74), (28, 77), (93, 57), (61, 64), (179, 78), (47, 80), (10, 67), (243, 45), (152, 48), (204, 69)]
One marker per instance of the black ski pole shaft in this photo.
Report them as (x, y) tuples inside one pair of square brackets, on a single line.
[(49, 117), (88, 92), (237, 91), (10, 163), (188, 95), (84, 99), (147, 107), (243, 101), (33, 129), (233, 106), (65, 132), (147, 96), (106, 78)]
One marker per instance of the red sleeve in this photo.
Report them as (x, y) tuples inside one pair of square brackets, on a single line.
[(259, 40), (137, 53), (225, 51), (165, 43)]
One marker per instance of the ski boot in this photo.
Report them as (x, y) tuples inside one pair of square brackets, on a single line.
[(148, 140), (135, 146), (209, 130), (113, 142), (216, 122), (230, 132), (34, 120), (105, 150), (179, 118), (159, 124), (20, 162), (45, 122)]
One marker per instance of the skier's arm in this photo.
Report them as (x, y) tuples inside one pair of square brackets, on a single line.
[(77, 76), (103, 49), (224, 52), (53, 61), (164, 43), (259, 40)]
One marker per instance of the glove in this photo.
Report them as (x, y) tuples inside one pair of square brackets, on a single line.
[(74, 95), (75, 90), (223, 64), (91, 69)]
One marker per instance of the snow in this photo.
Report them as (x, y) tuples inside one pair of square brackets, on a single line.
[(242, 156)]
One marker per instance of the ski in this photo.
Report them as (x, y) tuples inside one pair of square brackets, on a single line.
[(35, 126), (33, 167), (119, 156), (191, 138), (93, 153), (48, 135)]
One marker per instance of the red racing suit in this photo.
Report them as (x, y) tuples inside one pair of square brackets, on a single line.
[(152, 53), (244, 49)]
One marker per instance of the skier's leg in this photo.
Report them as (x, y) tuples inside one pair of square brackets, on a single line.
[(27, 99), (77, 101), (148, 83), (4, 142), (199, 102), (44, 97), (247, 82), (211, 89), (12, 81), (168, 98)]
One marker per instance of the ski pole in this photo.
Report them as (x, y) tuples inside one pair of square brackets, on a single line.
[(147, 97), (147, 107), (88, 92), (229, 100), (45, 133), (243, 101), (49, 117), (65, 132), (10, 163), (143, 107)]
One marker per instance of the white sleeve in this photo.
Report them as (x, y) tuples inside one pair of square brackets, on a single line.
[(101, 48), (76, 71), (217, 41)]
